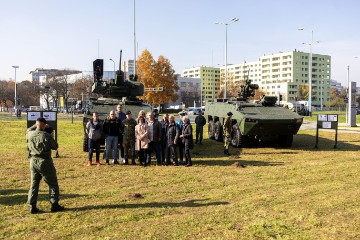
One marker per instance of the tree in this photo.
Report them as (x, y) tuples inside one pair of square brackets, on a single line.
[(336, 98), (232, 86), (28, 93), (155, 74), (82, 87), (258, 94)]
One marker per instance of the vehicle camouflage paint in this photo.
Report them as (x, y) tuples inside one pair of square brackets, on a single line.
[(253, 121), (113, 92)]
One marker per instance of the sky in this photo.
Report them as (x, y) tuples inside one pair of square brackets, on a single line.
[(71, 34)]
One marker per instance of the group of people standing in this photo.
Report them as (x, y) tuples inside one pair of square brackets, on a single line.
[(140, 137)]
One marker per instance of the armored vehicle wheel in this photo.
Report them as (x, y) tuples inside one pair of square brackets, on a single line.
[(211, 130), (85, 145), (286, 140), (218, 132), (236, 137)]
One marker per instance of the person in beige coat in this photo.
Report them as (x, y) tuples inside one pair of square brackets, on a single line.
[(142, 140)]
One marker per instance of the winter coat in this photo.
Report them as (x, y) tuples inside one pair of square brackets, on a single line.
[(141, 134), (172, 133), (112, 127), (187, 133)]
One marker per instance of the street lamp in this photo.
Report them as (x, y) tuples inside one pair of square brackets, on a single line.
[(310, 67), (15, 67), (226, 24), (134, 41), (114, 66)]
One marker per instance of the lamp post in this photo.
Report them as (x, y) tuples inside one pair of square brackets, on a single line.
[(134, 41), (15, 67), (310, 67), (226, 24), (114, 66)]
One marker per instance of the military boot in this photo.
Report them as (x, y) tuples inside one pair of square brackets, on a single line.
[(34, 209), (55, 207)]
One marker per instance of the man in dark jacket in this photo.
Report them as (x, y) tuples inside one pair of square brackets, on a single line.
[(121, 116), (155, 133), (180, 144), (200, 121), (172, 135), (164, 125), (187, 140), (112, 128)]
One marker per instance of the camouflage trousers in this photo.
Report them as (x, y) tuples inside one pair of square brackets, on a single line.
[(43, 168), (129, 149), (227, 141)]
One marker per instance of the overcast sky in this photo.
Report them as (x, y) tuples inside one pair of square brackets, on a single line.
[(65, 34)]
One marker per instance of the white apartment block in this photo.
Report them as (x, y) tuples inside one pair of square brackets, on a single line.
[(129, 68), (283, 73)]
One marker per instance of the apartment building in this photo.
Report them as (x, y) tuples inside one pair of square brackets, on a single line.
[(284, 73), (209, 80)]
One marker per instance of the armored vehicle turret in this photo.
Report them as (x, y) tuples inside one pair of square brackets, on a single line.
[(113, 92), (253, 121)]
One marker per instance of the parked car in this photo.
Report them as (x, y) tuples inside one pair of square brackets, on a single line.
[(194, 111)]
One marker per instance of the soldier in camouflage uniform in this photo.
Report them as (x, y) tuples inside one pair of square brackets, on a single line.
[(40, 143), (227, 131), (128, 130)]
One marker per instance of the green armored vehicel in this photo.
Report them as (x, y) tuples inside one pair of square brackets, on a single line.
[(253, 121), (113, 92)]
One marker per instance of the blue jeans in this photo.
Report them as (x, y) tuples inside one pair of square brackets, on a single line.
[(156, 147), (111, 142), (94, 145)]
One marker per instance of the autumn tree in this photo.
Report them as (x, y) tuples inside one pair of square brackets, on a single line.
[(7, 89), (258, 94), (155, 74)]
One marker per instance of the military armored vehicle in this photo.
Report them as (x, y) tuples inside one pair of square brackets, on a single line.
[(253, 121), (113, 92)]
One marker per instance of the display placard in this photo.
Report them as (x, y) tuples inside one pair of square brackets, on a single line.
[(326, 121), (49, 116), (32, 116)]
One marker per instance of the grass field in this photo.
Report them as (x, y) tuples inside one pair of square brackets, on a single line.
[(297, 193)]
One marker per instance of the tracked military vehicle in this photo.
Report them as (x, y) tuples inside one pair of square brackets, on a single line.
[(253, 121), (113, 92)]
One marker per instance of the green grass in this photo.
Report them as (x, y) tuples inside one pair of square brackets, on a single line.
[(297, 193)]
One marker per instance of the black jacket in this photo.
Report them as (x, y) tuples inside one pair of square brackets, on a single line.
[(187, 133), (172, 133), (112, 127)]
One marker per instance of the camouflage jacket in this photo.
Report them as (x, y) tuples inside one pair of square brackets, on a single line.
[(128, 127), (40, 143), (227, 127)]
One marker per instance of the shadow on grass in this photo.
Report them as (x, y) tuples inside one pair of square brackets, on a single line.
[(213, 149), (11, 197), (190, 203), (231, 162), (307, 142)]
